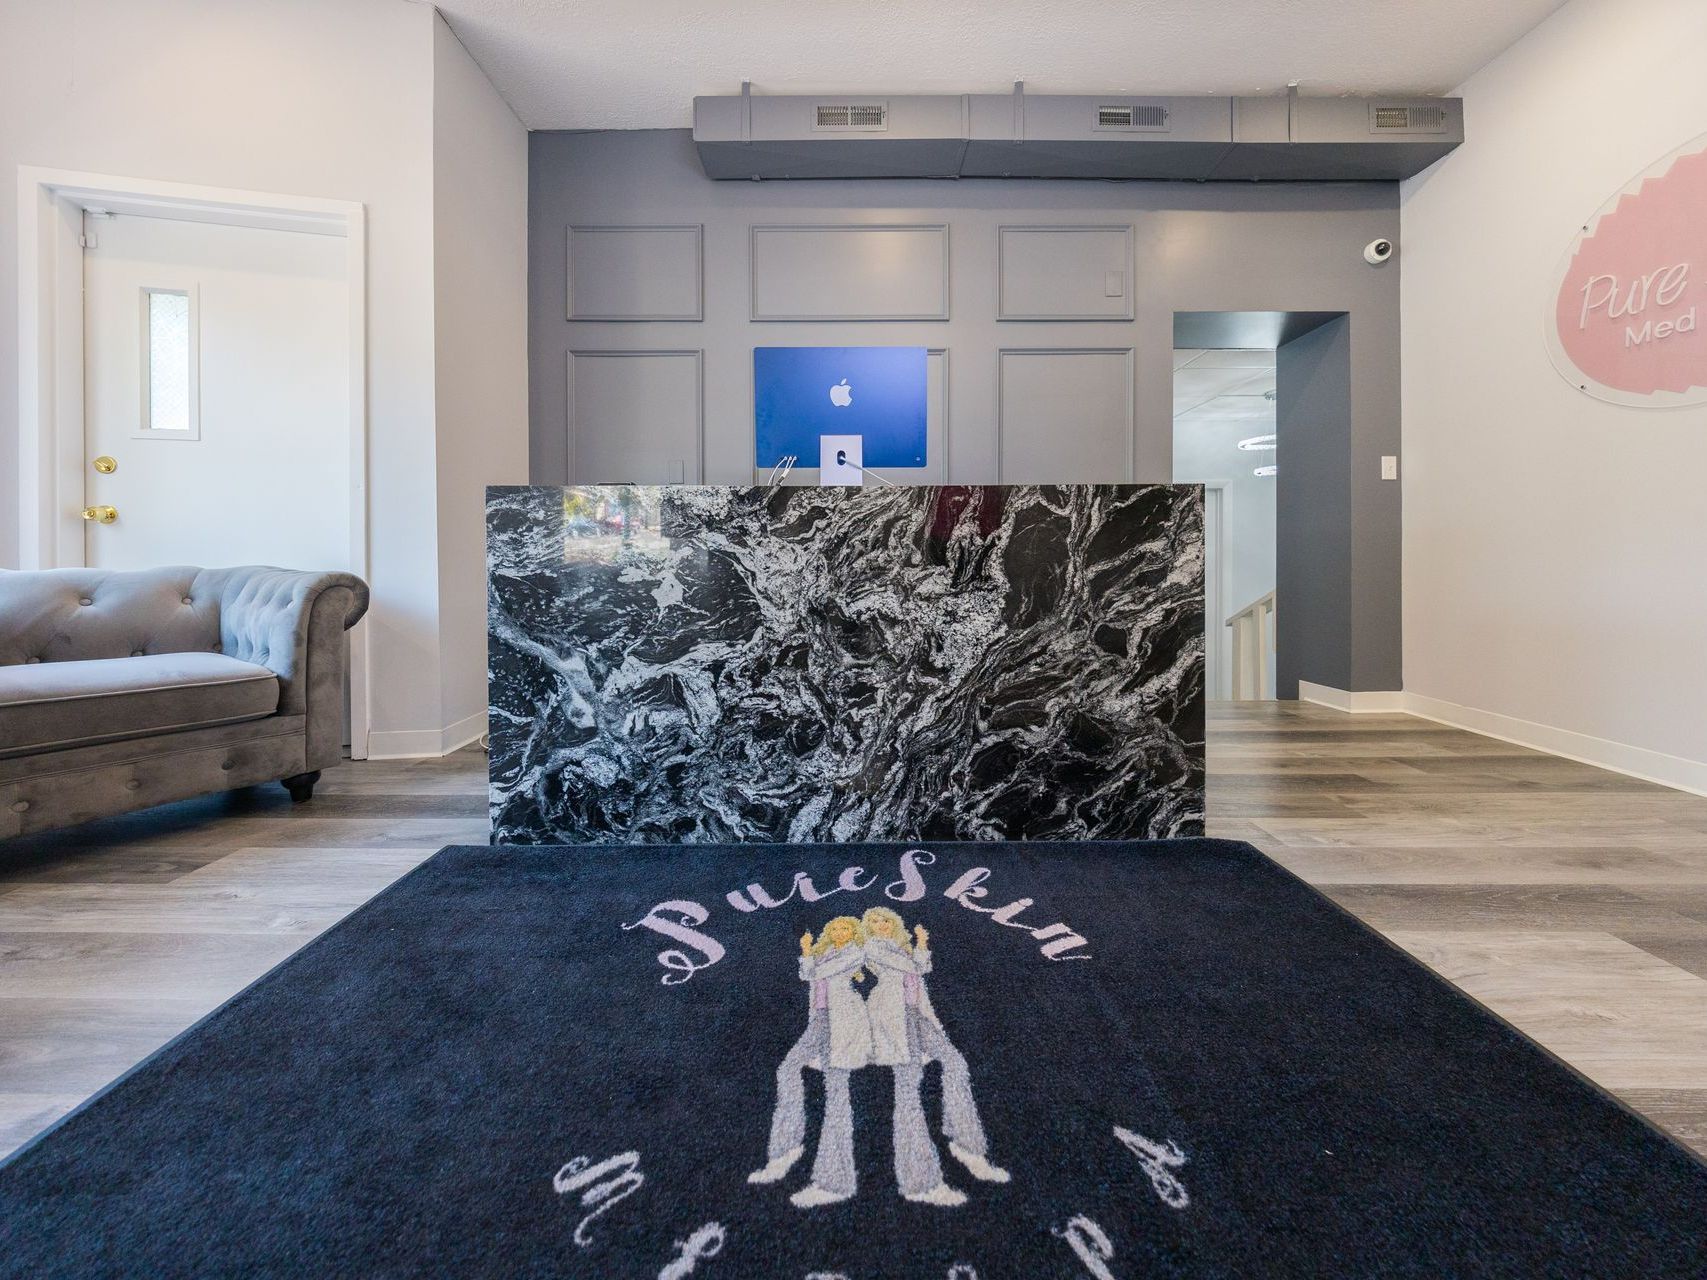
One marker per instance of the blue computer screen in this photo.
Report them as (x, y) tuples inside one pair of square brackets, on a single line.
[(801, 393)]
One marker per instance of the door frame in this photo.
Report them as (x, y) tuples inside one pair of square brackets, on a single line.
[(51, 205), (1215, 587)]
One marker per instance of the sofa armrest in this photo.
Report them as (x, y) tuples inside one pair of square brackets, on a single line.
[(293, 623)]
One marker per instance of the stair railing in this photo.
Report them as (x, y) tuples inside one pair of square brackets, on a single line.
[(1253, 649)]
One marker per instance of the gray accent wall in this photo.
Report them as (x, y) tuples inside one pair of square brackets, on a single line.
[(841, 273), (1313, 527), (635, 273), (1048, 307), (1337, 535)]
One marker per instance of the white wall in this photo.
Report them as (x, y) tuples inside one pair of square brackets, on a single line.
[(325, 98), (1553, 544), (480, 157)]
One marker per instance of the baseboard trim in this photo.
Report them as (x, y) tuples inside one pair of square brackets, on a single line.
[(417, 744), (464, 731), (1372, 702), (1636, 762)]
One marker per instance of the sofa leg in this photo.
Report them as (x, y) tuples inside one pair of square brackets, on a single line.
[(301, 785)]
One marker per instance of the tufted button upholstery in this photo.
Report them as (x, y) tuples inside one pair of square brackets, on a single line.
[(48, 615), (283, 629), (254, 614), (264, 617)]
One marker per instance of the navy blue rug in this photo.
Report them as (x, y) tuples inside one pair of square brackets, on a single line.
[(1103, 1060)]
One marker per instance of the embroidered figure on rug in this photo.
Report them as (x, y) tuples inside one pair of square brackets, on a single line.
[(837, 1041), (889, 1023), (905, 1035)]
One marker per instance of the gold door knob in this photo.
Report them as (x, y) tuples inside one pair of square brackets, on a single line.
[(106, 464), (106, 515)]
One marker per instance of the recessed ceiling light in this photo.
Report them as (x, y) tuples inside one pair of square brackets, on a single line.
[(1269, 470), (1258, 442)]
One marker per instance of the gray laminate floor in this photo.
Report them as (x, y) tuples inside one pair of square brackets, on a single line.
[(1571, 901)]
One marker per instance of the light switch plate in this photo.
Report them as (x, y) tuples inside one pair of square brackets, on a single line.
[(1113, 284), (834, 455), (1389, 467)]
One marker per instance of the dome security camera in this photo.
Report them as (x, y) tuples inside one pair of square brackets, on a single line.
[(1377, 251)]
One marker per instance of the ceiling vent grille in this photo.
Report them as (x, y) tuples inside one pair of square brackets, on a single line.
[(1406, 119), (1151, 117), (852, 115)]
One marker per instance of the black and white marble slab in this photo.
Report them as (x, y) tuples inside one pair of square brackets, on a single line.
[(708, 663)]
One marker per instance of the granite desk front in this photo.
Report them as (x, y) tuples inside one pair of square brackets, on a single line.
[(708, 663)]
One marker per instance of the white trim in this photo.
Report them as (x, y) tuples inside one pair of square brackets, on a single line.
[(416, 744), (1359, 703), (355, 271), (1215, 581), (51, 204), (1636, 762), (1677, 772)]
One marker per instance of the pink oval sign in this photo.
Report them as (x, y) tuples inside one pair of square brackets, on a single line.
[(1627, 322)]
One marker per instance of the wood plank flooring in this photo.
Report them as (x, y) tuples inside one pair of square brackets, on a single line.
[(1571, 901), (116, 936)]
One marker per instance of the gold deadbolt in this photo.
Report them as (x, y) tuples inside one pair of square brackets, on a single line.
[(105, 465), (105, 515)]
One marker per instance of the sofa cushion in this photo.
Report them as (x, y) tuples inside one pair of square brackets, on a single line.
[(46, 706)]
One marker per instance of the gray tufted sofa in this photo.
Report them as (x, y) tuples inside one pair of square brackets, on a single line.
[(124, 690)]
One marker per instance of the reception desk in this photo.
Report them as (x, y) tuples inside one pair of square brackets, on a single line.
[(720, 664)]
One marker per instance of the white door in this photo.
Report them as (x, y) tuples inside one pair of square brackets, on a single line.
[(216, 395)]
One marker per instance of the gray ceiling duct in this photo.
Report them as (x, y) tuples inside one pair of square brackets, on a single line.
[(850, 136), (1029, 135), (1107, 136)]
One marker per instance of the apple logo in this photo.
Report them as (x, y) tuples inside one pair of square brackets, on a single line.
[(842, 395)]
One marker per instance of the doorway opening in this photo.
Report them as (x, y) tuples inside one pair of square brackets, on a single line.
[(1240, 394), (1224, 439), (192, 383)]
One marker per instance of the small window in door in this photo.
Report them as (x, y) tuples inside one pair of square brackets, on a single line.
[(170, 394)]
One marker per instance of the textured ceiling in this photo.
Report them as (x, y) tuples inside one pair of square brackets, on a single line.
[(599, 64)]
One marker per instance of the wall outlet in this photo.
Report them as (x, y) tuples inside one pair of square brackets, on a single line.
[(1389, 467)]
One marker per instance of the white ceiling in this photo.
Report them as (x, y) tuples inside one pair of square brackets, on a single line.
[(1220, 398), (595, 64), (1230, 383)]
